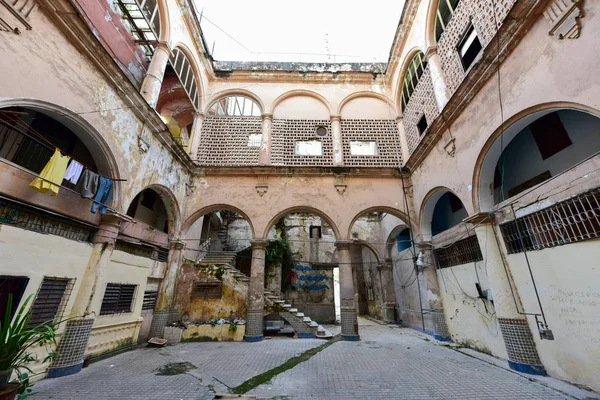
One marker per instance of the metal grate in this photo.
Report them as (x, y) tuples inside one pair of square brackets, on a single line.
[(19, 215), (142, 250), (569, 221), (51, 300), (118, 298), (462, 252), (207, 290), (150, 297), (21, 148)]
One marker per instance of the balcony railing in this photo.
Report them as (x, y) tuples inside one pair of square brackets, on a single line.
[(20, 147)]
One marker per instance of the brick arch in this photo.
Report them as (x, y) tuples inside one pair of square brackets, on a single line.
[(308, 209), (213, 208)]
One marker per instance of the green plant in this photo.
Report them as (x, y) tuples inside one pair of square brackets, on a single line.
[(213, 322), (279, 251), (17, 339), (232, 327)]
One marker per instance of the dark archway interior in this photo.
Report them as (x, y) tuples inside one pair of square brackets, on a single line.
[(448, 212), (149, 208)]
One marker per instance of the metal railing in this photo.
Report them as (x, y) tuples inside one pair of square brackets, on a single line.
[(23, 149), (461, 252), (569, 221)]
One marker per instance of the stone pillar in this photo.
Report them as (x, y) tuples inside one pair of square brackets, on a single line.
[(336, 137), (256, 293), (517, 336), (348, 308), (264, 157), (403, 143), (389, 293), (74, 340), (156, 72), (195, 136), (165, 312), (440, 88)]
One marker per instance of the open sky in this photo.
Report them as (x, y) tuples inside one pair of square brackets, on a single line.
[(307, 30)]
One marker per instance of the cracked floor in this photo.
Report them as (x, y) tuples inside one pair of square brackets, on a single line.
[(388, 363)]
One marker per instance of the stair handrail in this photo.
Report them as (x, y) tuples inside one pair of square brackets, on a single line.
[(203, 249)]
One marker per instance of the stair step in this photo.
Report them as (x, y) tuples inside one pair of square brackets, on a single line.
[(300, 315), (287, 306), (279, 301), (293, 310), (325, 335), (307, 320), (313, 324)]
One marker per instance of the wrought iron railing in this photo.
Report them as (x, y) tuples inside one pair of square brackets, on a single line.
[(569, 221), (21, 148)]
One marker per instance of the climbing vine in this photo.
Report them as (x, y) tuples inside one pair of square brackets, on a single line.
[(280, 252)]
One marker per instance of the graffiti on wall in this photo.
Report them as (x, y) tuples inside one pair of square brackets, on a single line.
[(310, 278)]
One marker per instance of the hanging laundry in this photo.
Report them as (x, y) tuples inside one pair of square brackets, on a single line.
[(52, 175), (88, 184), (73, 171), (101, 199)]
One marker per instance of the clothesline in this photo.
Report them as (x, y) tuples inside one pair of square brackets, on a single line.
[(14, 119)]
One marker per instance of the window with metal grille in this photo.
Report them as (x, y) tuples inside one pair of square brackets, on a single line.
[(234, 106), (207, 290), (150, 297), (415, 69), (462, 252), (14, 285), (569, 221), (33, 219), (118, 299), (50, 301), (144, 21), (185, 73)]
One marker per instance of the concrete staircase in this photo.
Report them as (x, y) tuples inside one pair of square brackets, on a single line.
[(225, 259), (304, 327)]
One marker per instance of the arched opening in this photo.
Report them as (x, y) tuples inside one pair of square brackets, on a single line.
[(444, 12), (234, 119), (414, 71), (535, 149), (149, 208), (214, 276), (178, 98), (441, 211), (29, 137)]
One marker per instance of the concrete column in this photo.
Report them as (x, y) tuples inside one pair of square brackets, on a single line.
[(336, 137), (264, 157), (348, 307), (389, 293), (166, 297), (195, 136), (440, 88), (256, 293), (156, 72), (403, 142), (516, 333), (74, 340)]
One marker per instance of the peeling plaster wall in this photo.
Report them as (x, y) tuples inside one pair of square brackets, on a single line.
[(44, 66)]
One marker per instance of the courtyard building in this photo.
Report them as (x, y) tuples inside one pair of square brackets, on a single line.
[(452, 192)]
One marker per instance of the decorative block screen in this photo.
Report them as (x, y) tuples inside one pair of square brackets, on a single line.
[(224, 141), (286, 132), (382, 131)]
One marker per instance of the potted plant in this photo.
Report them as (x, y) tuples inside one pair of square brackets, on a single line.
[(17, 339)]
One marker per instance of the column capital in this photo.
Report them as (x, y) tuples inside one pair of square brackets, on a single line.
[(480, 218), (267, 116), (399, 119), (343, 244), (176, 244), (199, 115), (426, 245), (430, 52), (259, 244), (163, 45), (336, 118)]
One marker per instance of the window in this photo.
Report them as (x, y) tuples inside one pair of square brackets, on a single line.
[(144, 22), (207, 290), (321, 131), (14, 285), (550, 135), (150, 297), (118, 298), (444, 14), (234, 106), (312, 148), (363, 148), (469, 47), (462, 252), (415, 69), (315, 232), (185, 73), (403, 240), (422, 125), (51, 300), (254, 139)]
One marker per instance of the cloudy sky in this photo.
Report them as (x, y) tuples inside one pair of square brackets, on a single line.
[(308, 30)]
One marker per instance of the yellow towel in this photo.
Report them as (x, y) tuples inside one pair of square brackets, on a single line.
[(54, 172)]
